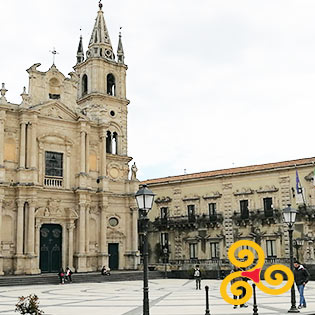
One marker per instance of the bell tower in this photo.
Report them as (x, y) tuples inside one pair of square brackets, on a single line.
[(103, 171)]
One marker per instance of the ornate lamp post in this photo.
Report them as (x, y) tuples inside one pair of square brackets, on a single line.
[(144, 198), (289, 215)]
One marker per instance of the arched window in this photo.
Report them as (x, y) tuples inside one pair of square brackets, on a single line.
[(111, 85), (109, 142), (54, 88), (115, 143), (84, 85)]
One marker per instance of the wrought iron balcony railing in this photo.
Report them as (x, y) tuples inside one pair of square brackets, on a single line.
[(264, 217), (188, 222)]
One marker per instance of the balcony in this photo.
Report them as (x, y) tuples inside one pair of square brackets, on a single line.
[(188, 222), (268, 217), (53, 182)]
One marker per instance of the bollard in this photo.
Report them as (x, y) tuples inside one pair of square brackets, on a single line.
[(255, 308), (207, 300)]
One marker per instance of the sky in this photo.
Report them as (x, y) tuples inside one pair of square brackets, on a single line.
[(212, 84)]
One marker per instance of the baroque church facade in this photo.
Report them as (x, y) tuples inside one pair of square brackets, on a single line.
[(197, 217), (66, 195)]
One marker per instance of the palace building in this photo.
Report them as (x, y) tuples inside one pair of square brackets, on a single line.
[(66, 195), (197, 217)]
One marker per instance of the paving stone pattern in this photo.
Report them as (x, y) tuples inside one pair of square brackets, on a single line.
[(167, 297)]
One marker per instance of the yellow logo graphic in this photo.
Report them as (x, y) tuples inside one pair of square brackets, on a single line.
[(253, 274)]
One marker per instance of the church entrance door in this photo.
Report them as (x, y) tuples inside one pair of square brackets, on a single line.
[(50, 248), (113, 256)]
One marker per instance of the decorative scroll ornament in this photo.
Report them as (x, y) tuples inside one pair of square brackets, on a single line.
[(253, 274)]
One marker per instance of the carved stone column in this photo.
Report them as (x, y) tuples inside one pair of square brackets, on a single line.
[(70, 228), (40, 163), (33, 145), (82, 228), (87, 153), (82, 168), (31, 229), (22, 144), (82, 255), (19, 261), (134, 211), (1, 258), (103, 255), (28, 146), (68, 167), (37, 240), (20, 228), (103, 153), (87, 229)]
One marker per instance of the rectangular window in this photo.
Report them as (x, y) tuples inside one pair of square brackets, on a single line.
[(244, 209), (193, 251), (214, 250), (191, 212), (53, 164), (164, 240), (212, 208), (271, 248), (164, 212), (268, 210), (212, 211)]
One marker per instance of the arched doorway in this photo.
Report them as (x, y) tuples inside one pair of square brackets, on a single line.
[(50, 247)]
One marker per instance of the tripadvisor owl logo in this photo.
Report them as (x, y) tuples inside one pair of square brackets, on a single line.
[(247, 257)]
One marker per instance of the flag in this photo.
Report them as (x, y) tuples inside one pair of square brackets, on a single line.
[(299, 198), (298, 184)]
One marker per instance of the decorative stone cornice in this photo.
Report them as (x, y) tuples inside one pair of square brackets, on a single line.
[(212, 195), (267, 189), (243, 191), (163, 199), (191, 198)]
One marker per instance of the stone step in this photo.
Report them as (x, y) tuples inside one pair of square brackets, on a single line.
[(91, 277)]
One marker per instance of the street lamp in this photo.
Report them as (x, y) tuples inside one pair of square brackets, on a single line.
[(289, 215), (144, 197)]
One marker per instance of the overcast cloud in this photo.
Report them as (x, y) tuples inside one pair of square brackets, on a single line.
[(212, 83)]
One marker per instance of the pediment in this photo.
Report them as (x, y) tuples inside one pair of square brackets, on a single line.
[(57, 110)]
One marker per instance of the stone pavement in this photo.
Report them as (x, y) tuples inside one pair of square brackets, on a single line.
[(167, 297)]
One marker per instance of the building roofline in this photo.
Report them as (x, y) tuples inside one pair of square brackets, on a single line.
[(232, 171)]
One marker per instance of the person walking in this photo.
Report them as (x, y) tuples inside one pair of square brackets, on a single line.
[(242, 288), (197, 276), (301, 277)]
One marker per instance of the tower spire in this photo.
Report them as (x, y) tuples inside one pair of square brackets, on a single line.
[(80, 53), (100, 44), (120, 50)]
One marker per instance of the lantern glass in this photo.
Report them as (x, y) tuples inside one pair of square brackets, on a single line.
[(289, 215), (144, 197)]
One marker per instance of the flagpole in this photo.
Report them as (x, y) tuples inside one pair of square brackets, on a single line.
[(298, 185)]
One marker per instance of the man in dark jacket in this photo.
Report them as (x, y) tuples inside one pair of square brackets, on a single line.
[(301, 277)]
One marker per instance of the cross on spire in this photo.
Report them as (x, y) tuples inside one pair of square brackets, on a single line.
[(100, 4), (54, 53)]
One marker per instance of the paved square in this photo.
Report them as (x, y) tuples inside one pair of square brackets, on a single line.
[(167, 297)]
